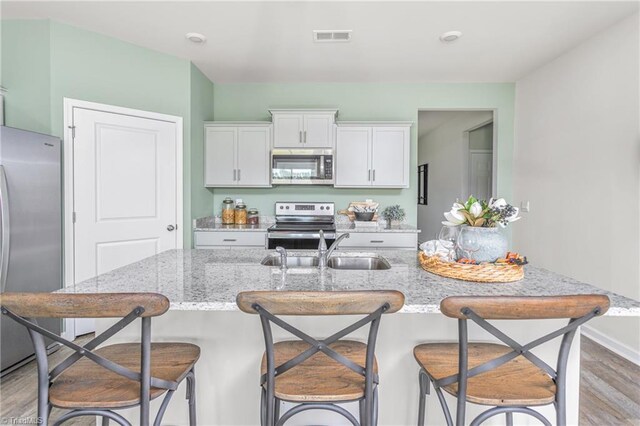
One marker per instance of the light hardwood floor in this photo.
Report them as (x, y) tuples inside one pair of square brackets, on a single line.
[(609, 389)]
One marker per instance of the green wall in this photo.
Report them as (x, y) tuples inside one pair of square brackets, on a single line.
[(25, 70), (45, 61), (201, 110), (360, 101)]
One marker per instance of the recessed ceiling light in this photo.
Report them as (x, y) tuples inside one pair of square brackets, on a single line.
[(450, 36), (196, 37)]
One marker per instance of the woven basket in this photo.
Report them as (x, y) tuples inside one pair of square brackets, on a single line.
[(483, 273)]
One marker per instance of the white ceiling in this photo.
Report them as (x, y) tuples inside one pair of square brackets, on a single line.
[(392, 41)]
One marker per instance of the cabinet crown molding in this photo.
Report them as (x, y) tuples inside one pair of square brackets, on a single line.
[(374, 123), (333, 110), (237, 123)]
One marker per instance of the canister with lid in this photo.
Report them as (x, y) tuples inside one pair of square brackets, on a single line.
[(228, 212), (253, 217), (240, 212)]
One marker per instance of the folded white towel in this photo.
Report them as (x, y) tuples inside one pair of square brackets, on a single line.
[(435, 247)]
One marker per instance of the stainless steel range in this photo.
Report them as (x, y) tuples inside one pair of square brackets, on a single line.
[(298, 225)]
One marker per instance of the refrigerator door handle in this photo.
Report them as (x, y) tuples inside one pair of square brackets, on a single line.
[(4, 218)]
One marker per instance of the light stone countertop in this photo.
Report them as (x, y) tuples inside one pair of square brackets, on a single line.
[(210, 280), (211, 224), (402, 228)]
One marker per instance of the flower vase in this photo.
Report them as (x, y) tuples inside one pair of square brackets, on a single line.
[(493, 244)]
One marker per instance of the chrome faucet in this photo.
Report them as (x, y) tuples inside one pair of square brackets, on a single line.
[(323, 253), (283, 257)]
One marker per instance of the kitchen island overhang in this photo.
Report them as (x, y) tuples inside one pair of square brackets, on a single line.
[(202, 286)]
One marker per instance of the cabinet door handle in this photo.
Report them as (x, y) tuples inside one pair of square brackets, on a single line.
[(300, 136), (374, 175), (229, 240), (369, 178), (239, 175), (376, 241), (305, 136), (234, 175)]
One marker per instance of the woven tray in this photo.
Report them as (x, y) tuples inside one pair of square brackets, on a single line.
[(484, 273)]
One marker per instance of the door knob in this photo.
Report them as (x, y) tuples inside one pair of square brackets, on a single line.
[(170, 228)]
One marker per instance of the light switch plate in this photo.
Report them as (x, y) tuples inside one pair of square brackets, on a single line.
[(524, 206)]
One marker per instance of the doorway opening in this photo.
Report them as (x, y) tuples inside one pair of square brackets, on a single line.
[(456, 158)]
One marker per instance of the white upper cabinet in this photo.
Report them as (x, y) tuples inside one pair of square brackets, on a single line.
[(303, 128), (220, 149), (353, 158), (372, 155), (288, 129), (237, 154)]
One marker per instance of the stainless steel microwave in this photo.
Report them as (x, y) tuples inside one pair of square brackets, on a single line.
[(302, 167)]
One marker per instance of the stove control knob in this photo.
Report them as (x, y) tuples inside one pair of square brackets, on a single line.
[(287, 207), (281, 207), (328, 207), (321, 207)]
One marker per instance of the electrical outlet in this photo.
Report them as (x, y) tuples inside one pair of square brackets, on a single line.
[(524, 206)]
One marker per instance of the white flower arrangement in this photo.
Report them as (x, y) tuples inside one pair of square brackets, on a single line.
[(480, 213)]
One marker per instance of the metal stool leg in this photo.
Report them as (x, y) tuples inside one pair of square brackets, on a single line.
[(276, 411), (263, 406), (361, 412), (423, 380), (191, 396), (509, 419), (375, 406), (105, 421)]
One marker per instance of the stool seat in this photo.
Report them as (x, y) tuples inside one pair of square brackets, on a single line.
[(515, 383), (88, 385), (319, 378)]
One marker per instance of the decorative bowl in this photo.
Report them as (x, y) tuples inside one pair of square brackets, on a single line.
[(364, 217)]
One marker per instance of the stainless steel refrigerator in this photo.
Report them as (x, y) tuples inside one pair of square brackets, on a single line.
[(30, 227)]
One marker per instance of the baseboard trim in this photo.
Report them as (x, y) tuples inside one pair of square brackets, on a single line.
[(613, 345)]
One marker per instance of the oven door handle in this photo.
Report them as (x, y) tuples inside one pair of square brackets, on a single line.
[(286, 235)]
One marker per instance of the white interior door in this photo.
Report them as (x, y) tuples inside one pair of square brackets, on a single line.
[(124, 191), (480, 171)]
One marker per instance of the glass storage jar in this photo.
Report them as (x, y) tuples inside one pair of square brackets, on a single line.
[(240, 213), (253, 217), (228, 212)]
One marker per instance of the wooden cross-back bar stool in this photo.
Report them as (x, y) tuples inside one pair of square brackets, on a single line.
[(95, 382), (507, 376), (319, 373)]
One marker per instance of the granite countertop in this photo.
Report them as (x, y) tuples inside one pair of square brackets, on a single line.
[(218, 227), (211, 224), (211, 279), (351, 227)]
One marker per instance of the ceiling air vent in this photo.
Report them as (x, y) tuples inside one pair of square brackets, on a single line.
[(331, 35)]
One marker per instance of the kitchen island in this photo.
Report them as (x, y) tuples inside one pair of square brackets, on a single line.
[(202, 286)]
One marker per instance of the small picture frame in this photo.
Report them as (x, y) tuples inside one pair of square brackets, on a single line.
[(423, 184)]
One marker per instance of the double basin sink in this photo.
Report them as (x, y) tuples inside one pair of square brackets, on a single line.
[(367, 263)]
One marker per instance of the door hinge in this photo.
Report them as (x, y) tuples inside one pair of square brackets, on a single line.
[(73, 131), (73, 217)]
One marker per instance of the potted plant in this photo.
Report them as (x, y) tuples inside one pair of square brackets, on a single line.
[(393, 213), (482, 223)]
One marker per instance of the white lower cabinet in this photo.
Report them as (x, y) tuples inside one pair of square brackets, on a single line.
[(380, 240), (229, 239)]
